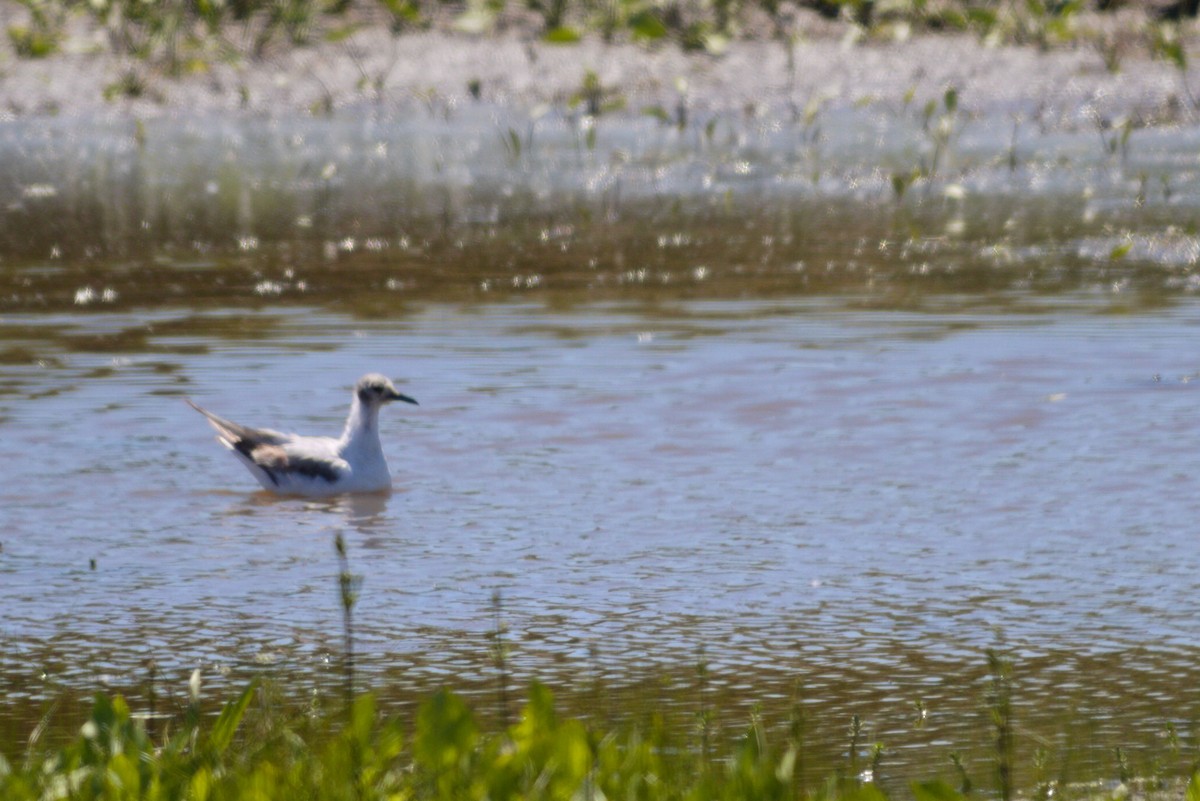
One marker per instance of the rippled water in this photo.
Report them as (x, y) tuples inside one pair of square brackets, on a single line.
[(802, 437)]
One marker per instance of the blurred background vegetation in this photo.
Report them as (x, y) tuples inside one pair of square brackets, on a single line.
[(177, 37)]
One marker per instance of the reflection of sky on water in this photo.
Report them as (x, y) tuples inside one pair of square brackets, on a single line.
[(874, 497), (808, 477)]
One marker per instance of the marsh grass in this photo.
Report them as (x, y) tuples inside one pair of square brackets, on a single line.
[(498, 652), (180, 38), (259, 746), (999, 702)]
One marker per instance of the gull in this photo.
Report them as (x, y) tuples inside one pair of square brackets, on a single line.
[(289, 464)]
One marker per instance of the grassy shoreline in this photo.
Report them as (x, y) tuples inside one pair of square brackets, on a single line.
[(253, 748), (279, 741), (65, 57)]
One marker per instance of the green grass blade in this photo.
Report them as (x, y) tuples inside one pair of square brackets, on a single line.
[(935, 791), (1193, 788), (227, 722)]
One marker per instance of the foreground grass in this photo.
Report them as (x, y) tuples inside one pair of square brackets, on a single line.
[(445, 754), (364, 756)]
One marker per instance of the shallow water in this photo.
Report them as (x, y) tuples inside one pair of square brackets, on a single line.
[(797, 435)]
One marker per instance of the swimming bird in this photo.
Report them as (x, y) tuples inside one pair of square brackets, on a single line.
[(289, 464)]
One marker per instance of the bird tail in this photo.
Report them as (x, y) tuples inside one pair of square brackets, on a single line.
[(228, 432)]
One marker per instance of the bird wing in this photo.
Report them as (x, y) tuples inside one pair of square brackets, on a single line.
[(230, 433), (284, 459), (302, 460)]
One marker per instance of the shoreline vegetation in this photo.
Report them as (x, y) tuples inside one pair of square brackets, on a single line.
[(256, 747), (1067, 60), (273, 741), (278, 740)]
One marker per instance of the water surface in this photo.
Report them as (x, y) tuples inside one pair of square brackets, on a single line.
[(832, 445)]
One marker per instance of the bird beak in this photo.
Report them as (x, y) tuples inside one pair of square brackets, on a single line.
[(393, 395)]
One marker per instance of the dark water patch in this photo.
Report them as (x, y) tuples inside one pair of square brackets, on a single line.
[(17, 355), (804, 249)]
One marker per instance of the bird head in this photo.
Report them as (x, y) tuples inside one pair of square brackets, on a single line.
[(374, 389)]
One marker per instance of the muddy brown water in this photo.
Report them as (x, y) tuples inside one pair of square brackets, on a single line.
[(681, 403)]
